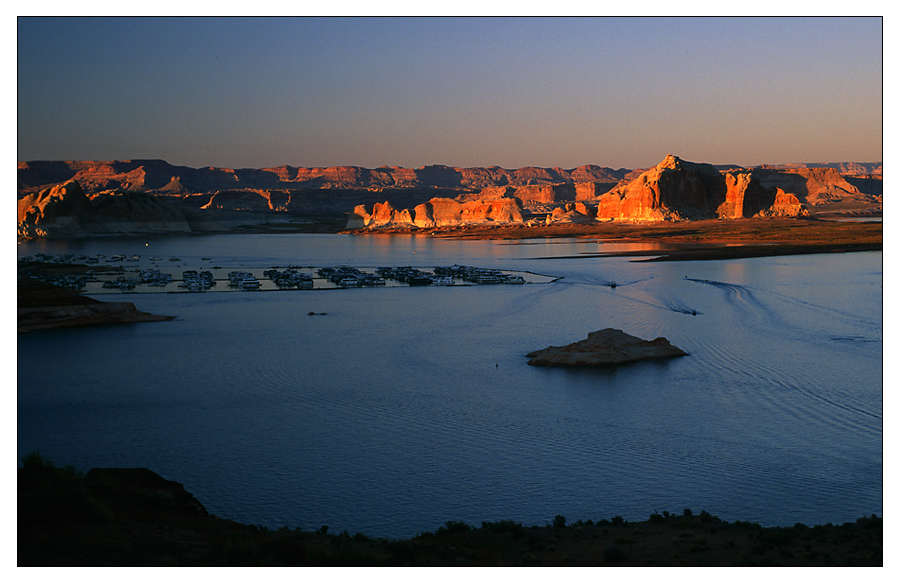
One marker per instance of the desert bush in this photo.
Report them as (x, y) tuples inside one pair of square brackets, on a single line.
[(505, 526), (559, 521), (453, 526), (656, 518), (34, 459), (53, 492)]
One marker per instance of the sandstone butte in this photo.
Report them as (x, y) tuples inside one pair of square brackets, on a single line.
[(673, 190), (147, 196), (605, 347)]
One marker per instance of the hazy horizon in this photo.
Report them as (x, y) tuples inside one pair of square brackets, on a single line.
[(241, 167), (464, 92)]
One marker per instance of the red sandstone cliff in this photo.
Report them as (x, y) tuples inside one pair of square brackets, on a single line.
[(676, 190), (66, 211), (438, 212), (672, 190)]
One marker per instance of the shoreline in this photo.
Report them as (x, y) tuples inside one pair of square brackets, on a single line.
[(135, 517), (688, 241), (44, 306)]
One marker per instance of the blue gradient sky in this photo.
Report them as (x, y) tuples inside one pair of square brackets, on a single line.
[(248, 92)]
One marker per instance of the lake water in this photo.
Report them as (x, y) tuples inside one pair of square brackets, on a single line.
[(405, 407)]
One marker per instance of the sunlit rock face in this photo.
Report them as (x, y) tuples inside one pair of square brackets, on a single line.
[(241, 200), (437, 212), (744, 196), (784, 205), (673, 190), (747, 197), (66, 211), (53, 210), (679, 190)]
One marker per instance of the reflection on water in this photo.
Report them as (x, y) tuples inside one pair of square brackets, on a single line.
[(403, 408)]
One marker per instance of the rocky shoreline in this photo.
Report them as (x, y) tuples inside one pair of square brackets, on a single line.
[(43, 306), (134, 517)]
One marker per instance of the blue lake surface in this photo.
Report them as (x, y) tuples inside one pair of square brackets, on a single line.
[(405, 407)]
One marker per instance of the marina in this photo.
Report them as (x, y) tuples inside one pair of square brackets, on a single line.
[(117, 278)]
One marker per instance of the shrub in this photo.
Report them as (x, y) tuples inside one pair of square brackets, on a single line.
[(559, 521), (506, 526), (618, 520), (453, 526), (34, 459), (51, 492), (656, 518)]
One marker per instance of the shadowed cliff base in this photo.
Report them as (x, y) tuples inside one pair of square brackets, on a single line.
[(695, 240), (134, 517)]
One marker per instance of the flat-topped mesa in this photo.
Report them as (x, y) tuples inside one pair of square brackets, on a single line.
[(605, 347)]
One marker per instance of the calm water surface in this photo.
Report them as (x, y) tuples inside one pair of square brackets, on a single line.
[(403, 408)]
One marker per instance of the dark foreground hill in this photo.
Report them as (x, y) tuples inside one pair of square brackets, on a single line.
[(134, 517)]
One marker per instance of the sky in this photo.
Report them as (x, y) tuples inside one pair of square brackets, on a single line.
[(244, 92)]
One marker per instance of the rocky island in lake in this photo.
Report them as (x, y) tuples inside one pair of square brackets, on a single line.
[(605, 347)]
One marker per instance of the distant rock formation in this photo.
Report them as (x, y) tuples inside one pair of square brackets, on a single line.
[(678, 190), (66, 211), (438, 212), (572, 213), (673, 190), (158, 176), (745, 196), (814, 185), (604, 348)]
